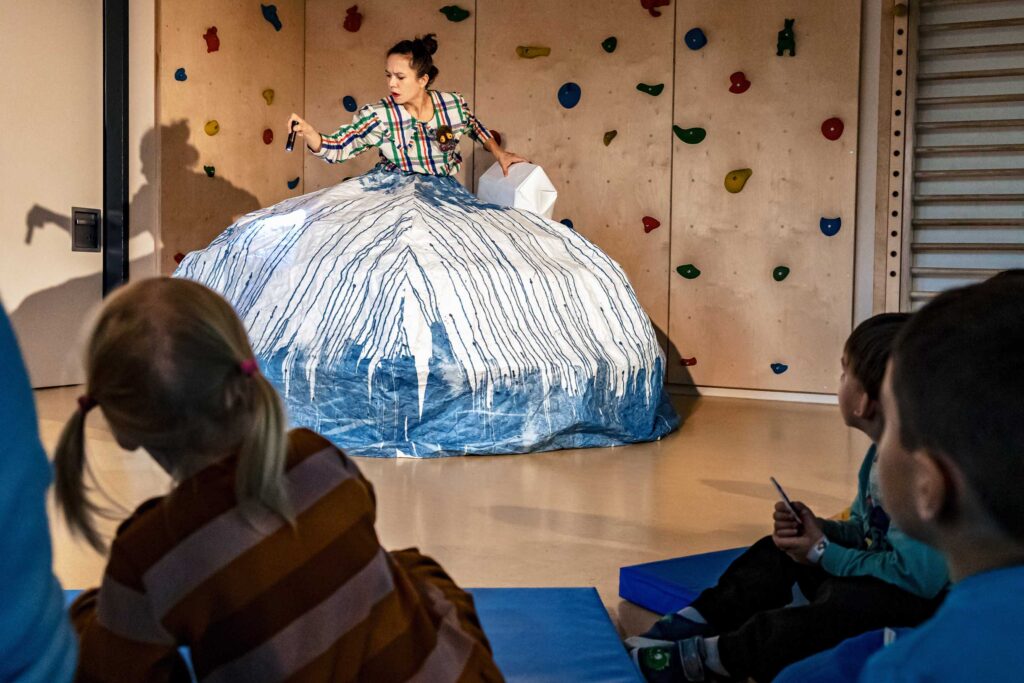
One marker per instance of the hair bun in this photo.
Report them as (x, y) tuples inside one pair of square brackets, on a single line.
[(429, 41)]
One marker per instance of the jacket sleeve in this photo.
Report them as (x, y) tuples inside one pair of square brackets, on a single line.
[(365, 131), (475, 129)]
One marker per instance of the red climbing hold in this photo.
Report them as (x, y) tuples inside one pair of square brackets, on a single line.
[(650, 6), (688, 362), (212, 41), (179, 257), (651, 223), (353, 19), (738, 83), (832, 128), (268, 136)]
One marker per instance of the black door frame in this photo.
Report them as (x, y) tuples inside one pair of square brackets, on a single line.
[(115, 144)]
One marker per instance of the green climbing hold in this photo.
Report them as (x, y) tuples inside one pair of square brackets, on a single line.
[(210, 171), (689, 271), (455, 13), (780, 273), (609, 44), (653, 90), (532, 51), (690, 136), (735, 180), (609, 136)]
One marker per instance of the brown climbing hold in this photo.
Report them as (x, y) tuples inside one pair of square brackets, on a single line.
[(609, 136), (212, 41), (353, 19), (651, 5), (651, 224)]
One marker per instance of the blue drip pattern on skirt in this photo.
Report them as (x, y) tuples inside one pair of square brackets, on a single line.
[(398, 315)]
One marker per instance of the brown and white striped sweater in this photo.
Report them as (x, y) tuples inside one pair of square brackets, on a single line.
[(320, 602)]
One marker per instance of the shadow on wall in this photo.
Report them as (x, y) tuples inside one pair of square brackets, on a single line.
[(210, 201)]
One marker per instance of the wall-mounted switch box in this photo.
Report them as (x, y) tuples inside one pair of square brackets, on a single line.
[(85, 229)]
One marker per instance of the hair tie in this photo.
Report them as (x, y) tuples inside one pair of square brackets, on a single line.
[(86, 403), (249, 367)]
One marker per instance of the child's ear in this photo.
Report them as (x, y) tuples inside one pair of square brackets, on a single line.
[(867, 407), (932, 487)]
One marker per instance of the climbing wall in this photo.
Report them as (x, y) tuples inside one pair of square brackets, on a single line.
[(222, 130), (762, 288), (343, 63), (605, 190)]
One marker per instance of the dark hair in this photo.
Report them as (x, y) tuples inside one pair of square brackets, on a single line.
[(420, 51), (958, 372), (868, 348)]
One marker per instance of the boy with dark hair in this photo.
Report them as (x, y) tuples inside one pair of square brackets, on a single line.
[(951, 463), (857, 575)]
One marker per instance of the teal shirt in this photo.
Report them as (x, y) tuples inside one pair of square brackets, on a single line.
[(869, 544)]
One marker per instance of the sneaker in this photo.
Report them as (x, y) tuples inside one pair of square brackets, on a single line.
[(671, 662), (674, 627)]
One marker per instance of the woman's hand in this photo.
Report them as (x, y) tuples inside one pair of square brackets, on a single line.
[(506, 159), (308, 132)]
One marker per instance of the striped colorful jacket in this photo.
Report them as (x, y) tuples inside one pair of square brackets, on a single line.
[(405, 143), (258, 600)]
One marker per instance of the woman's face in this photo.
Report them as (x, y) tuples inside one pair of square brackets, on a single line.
[(403, 85)]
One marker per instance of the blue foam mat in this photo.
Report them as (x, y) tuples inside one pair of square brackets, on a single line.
[(670, 585), (542, 635)]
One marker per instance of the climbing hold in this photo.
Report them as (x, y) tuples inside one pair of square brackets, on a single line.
[(349, 103), (738, 83), (569, 95), (651, 223), (268, 95), (830, 226), (689, 271), (650, 6), (609, 44), (779, 368), (735, 180), (690, 136), (654, 90), (180, 75), (179, 257), (268, 136), (270, 14), (787, 40), (567, 223), (497, 137), (780, 273), (832, 128), (212, 127), (688, 362), (210, 171), (695, 39), (212, 41), (455, 13), (609, 136), (532, 51), (353, 19), (293, 183)]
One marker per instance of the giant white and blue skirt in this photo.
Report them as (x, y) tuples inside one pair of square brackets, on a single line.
[(398, 315)]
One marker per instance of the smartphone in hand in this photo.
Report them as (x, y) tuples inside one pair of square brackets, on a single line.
[(786, 500)]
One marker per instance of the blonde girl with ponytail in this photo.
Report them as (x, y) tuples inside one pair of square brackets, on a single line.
[(263, 559)]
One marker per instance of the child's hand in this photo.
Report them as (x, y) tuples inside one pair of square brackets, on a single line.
[(796, 537)]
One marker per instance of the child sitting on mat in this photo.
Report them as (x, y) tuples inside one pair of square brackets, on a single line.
[(263, 559), (857, 575)]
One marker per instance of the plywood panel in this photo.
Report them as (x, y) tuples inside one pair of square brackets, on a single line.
[(227, 86), (605, 191), (734, 318), (340, 63)]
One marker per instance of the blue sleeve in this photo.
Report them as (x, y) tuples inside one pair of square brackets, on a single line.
[(910, 565), (36, 640)]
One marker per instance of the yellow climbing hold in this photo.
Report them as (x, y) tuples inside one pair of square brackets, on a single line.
[(268, 95), (532, 51), (735, 180), (212, 127)]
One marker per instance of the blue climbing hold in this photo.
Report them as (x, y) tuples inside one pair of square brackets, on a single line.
[(779, 368), (349, 103), (567, 223), (569, 95), (695, 39), (830, 226), (292, 184), (270, 14), (180, 75)]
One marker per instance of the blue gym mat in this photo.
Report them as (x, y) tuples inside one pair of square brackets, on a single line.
[(541, 635), (670, 585)]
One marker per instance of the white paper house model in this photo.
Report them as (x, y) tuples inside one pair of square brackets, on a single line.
[(526, 187)]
